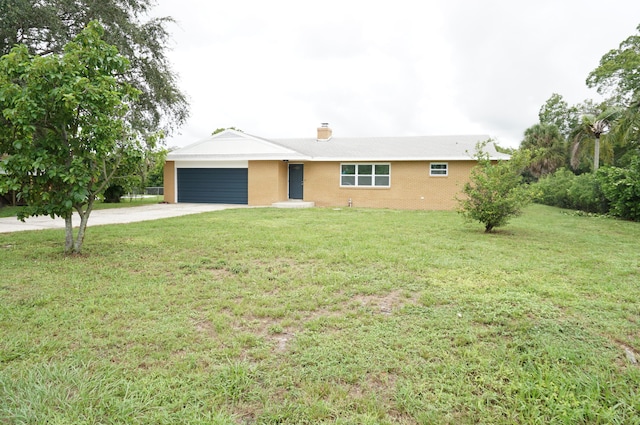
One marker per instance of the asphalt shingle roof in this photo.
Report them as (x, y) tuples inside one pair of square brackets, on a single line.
[(413, 148)]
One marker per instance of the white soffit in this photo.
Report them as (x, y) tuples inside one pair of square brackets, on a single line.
[(211, 164)]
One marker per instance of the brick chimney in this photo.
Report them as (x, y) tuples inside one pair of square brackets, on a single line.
[(324, 132)]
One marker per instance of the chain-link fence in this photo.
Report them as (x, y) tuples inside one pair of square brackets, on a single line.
[(154, 190)]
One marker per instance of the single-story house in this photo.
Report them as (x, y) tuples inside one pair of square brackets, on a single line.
[(233, 167)]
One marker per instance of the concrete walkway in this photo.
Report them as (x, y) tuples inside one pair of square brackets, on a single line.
[(113, 216)]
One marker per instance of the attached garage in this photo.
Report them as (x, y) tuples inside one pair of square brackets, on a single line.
[(215, 170), (213, 185)]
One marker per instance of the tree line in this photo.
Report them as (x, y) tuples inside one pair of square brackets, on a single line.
[(584, 157), (587, 156)]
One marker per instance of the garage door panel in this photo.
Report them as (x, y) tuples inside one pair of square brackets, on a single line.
[(213, 185)]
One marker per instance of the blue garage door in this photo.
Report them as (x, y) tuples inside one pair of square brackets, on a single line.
[(213, 185)]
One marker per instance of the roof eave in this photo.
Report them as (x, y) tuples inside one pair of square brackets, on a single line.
[(250, 157), (399, 159)]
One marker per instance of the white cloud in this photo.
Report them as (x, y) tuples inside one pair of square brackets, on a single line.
[(279, 68)]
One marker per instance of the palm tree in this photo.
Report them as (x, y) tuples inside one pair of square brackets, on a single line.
[(548, 147), (592, 126), (625, 135)]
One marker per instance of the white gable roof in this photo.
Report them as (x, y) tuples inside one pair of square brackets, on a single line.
[(235, 145)]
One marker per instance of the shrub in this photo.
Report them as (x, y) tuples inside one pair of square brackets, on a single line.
[(621, 186), (586, 194), (113, 194), (566, 190), (495, 192), (553, 189)]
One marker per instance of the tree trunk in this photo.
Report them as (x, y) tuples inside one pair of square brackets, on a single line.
[(596, 155), (84, 219), (68, 230), (77, 245)]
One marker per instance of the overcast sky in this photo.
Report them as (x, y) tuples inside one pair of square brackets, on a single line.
[(279, 68)]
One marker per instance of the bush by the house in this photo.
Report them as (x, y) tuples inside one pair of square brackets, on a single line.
[(495, 191)]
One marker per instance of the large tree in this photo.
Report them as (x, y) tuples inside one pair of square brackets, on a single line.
[(221, 129), (45, 26), (63, 128), (626, 135), (618, 73), (557, 111), (618, 76)]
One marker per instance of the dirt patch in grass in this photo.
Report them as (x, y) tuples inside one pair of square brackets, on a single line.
[(385, 304), (282, 341), (631, 356), (280, 335), (203, 327), (219, 274), (279, 332)]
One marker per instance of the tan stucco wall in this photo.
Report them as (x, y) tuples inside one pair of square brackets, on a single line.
[(411, 186), (268, 182), (169, 182)]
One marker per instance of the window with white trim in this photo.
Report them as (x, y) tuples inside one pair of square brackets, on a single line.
[(438, 169), (365, 175)]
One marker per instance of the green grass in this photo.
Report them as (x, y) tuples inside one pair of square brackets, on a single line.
[(99, 205), (351, 316)]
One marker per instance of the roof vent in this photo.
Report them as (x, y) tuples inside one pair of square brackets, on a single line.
[(324, 132)]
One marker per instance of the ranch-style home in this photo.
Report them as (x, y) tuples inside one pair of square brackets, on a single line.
[(232, 167)]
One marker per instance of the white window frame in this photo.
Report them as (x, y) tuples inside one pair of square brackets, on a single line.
[(435, 172), (373, 175)]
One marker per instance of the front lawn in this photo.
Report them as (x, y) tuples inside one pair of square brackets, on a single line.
[(345, 316)]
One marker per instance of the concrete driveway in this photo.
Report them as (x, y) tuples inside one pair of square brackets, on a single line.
[(113, 216)]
